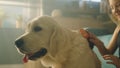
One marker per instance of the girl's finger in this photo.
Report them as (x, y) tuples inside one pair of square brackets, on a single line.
[(110, 62), (84, 33)]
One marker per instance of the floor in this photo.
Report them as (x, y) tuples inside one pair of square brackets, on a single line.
[(12, 66)]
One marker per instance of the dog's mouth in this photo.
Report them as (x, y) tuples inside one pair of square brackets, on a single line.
[(36, 55)]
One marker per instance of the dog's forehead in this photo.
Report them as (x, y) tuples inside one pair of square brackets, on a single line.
[(44, 20)]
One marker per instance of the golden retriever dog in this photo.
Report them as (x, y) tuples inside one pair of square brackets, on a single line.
[(50, 45)]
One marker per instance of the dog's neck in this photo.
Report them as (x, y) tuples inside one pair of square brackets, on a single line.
[(50, 61)]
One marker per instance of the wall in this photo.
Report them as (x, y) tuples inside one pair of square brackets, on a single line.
[(8, 52), (85, 22)]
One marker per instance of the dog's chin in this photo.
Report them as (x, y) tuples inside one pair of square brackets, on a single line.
[(33, 56)]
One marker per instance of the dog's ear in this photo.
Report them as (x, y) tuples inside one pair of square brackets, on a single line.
[(57, 40), (53, 44)]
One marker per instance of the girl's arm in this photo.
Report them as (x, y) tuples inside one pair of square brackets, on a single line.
[(110, 49), (113, 42)]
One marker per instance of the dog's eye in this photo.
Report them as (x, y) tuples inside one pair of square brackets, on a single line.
[(37, 28)]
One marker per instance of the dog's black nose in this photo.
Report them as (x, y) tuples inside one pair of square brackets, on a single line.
[(19, 42)]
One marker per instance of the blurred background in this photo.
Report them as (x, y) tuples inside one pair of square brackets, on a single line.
[(73, 14)]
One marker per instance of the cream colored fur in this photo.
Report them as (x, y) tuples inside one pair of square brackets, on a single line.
[(66, 48)]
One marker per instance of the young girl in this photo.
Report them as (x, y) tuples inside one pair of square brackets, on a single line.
[(107, 52)]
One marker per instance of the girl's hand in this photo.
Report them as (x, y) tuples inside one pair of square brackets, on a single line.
[(85, 33), (91, 37), (113, 60)]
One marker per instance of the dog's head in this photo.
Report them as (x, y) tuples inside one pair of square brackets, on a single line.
[(37, 39)]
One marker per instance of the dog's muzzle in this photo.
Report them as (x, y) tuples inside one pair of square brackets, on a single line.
[(20, 43)]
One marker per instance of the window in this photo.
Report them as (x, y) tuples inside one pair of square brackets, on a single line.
[(14, 14), (92, 0), (96, 0)]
